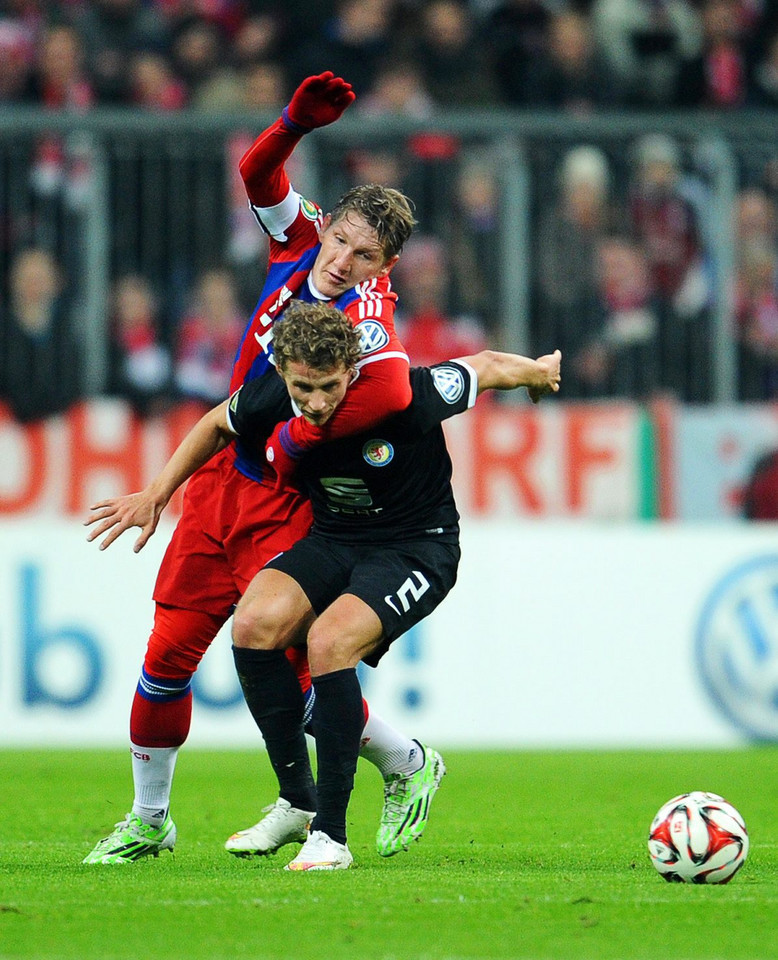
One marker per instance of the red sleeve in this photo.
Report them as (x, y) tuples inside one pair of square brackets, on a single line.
[(262, 165), (382, 389)]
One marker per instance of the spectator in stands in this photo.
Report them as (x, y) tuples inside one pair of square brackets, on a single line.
[(112, 32), (41, 370), (667, 208), (764, 84), (59, 82), (199, 59), (427, 327), (572, 226), (263, 86), (516, 34), (756, 219), (471, 219), (399, 90), (452, 57), (756, 243), (141, 366), (153, 85), (717, 76), (208, 338), (16, 57), (355, 40), (757, 315), (571, 75), (259, 39), (644, 43), (621, 359)]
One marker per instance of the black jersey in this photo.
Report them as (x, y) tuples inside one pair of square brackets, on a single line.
[(390, 483)]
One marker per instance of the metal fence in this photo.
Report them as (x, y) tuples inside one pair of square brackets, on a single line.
[(114, 193)]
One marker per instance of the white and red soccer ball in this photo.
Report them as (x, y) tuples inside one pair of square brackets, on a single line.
[(698, 838)]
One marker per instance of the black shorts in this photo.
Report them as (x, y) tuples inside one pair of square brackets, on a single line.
[(402, 582)]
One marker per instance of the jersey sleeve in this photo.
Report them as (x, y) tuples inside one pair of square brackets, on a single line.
[(255, 408), (381, 390), (262, 165), (441, 392), (289, 219)]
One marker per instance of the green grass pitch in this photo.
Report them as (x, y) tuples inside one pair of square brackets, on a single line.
[(527, 855)]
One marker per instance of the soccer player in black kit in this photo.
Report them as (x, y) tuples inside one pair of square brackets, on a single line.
[(381, 555)]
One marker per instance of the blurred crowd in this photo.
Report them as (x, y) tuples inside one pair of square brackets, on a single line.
[(409, 56), (623, 280)]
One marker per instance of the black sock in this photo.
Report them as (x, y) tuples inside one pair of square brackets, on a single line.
[(338, 716), (274, 697)]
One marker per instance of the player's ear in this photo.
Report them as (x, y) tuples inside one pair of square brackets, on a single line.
[(388, 265), (324, 225)]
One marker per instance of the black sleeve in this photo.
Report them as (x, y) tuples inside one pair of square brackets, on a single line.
[(441, 392), (256, 407)]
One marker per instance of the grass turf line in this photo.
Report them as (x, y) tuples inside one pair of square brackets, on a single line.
[(528, 855)]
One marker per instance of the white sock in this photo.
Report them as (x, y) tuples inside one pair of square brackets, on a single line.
[(388, 749), (152, 774)]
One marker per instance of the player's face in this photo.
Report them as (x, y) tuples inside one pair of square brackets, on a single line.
[(350, 254), (316, 392)]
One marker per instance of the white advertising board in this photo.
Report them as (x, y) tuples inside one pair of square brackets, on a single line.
[(557, 634)]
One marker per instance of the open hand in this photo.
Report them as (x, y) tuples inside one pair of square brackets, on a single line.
[(319, 101), (120, 513)]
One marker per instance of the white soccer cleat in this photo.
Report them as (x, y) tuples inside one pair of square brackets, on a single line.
[(283, 824), (320, 852)]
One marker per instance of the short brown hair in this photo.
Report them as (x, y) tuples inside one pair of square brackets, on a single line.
[(319, 336), (385, 209)]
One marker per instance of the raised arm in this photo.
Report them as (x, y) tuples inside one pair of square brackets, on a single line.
[(208, 436), (317, 102), (509, 371)]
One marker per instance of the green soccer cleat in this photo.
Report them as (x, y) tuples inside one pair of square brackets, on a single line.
[(407, 802), (133, 839)]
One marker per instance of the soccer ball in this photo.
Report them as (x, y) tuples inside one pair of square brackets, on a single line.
[(698, 838)]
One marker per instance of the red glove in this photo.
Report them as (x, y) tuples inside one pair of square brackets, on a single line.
[(283, 454), (317, 102)]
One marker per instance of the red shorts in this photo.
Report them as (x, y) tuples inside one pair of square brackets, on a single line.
[(230, 527)]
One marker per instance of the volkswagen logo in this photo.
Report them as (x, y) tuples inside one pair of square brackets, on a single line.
[(737, 647)]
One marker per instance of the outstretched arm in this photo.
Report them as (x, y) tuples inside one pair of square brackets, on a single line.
[(509, 371), (208, 436), (317, 102)]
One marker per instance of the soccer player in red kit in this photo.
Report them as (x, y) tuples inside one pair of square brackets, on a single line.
[(240, 511)]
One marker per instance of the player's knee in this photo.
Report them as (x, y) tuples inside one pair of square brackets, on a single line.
[(328, 652), (179, 640), (260, 626), (165, 658)]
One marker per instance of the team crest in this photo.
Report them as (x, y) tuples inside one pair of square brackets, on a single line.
[(372, 336), (449, 382), (310, 210), (378, 453)]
